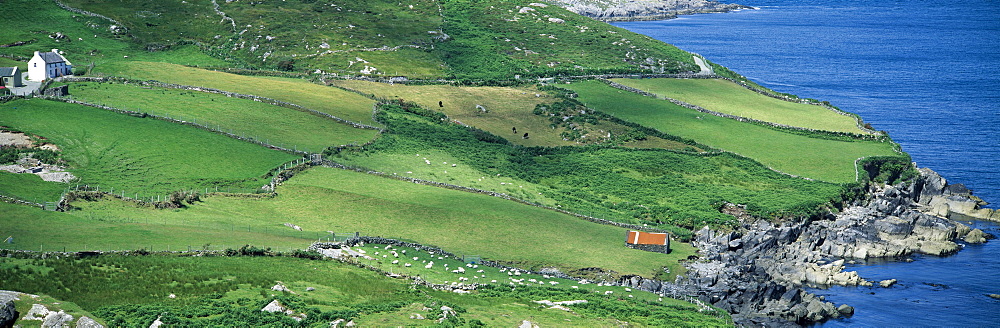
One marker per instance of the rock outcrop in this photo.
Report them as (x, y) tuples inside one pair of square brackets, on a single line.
[(951, 200), (8, 312), (637, 10), (758, 271)]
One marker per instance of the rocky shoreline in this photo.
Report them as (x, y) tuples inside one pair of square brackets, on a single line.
[(758, 271), (644, 10)]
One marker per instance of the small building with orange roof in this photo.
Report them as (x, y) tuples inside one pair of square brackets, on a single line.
[(648, 241)]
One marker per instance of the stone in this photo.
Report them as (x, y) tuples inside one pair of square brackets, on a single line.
[(86, 322), (57, 319), (887, 283), (156, 323), (37, 312), (309, 289), (274, 306), (976, 236), (845, 310), (8, 313)]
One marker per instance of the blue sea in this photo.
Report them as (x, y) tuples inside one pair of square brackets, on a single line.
[(928, 72)]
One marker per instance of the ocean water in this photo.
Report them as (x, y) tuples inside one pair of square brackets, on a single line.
[(928, 72)]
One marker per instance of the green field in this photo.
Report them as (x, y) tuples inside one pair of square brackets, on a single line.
[(37, 230), (506, 108), (275, 125), (333, 101), (142, 155), (821, 159), (323, 199), (230, 291), (662, 188), (727, 97), (29, 187), (7, 62)]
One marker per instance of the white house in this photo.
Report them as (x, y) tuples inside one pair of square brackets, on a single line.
[(47, 65)]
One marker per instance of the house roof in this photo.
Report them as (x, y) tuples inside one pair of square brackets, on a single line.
[(646, 238), (51, 57), (7, 71)]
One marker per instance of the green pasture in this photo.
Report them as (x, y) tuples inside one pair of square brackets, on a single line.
[(678, 191), (324, 199), (333, 101), (821, 159), (142, 155), (37, 230), (230, 291), (727, 97), (275, 125), (506, 108), (30, 187)]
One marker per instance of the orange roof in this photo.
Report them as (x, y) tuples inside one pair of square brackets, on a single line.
[(646, 238)]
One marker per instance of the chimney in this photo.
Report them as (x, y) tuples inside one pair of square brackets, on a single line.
[(55, 50), (36, 53)]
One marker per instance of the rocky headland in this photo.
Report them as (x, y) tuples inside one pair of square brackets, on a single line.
[(757, 272), (640, 10)]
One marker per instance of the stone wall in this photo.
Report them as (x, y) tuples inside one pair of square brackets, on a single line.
[(665, 249)]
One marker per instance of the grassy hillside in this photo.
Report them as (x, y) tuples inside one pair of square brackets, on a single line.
[(336, 102), (141, 155), (726, 97), (816, 158), (285, 127), (419, 39), (497, 39)]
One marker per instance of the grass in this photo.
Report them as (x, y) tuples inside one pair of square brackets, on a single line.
[(501, 39), (34, 22), (821, 159), (141, 155), (230, 291), (506, 108), (7, 62), (729, 98), (678, 191), (38, 230), (323, 199), (30, 187), (284, 126), (333, 101)]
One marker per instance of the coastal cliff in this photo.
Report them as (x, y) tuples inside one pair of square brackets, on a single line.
[(639, 10), (757, 272)]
